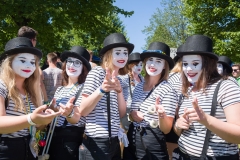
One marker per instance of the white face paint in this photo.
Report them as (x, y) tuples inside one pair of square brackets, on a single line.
[(120, 56), (74, 67), (192, 67), (24, 64), (137, 68), (154, 66), (220, 68)]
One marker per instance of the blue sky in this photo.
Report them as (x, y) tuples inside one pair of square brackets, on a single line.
[(143, 11)]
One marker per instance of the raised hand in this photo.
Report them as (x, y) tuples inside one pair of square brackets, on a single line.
[(118, 87), (159, 108), (196, 113), (108, 85), (65, 110), (43, 116), (183, 122)]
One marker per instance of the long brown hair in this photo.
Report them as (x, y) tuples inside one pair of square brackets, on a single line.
[(107, 60), (81, 77), (164, 73), (208, 76), (130, 66)]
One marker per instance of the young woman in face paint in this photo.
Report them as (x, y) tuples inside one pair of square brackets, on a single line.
[(199, 79), (153, 107), (20, 100), (103, 133), (68, 133), (224, 68)]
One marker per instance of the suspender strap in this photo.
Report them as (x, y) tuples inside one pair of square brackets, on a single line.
[(76, 97), (109, 115), (130, 87), (208, 133)]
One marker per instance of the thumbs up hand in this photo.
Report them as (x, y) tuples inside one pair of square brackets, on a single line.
[(159, 108), (196, 113)]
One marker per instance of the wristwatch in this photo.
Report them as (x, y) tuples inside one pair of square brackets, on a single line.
[(101, 91), (71, 114)]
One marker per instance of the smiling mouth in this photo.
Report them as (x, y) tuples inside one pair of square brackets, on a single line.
[(72, 70), (121, 61), (152, 69), (192, 74), (27, 71)]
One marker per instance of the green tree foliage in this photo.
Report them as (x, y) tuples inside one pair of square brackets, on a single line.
[(167, 25), (58, 21), (218, 19)]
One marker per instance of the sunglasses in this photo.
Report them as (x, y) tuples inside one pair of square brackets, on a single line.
[(235, 70)]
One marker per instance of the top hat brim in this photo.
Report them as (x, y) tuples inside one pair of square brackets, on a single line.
[(209, 54), (129, 46), (228, 68), (31, 50), (132, 61), (67, 54), (154, 54)]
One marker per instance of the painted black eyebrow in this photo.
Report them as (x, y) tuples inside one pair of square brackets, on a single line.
[(25, 58), (193, 60)]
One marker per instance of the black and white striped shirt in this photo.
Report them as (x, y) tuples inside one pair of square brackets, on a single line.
[(168, 98), (11, 111), (191, 141), (124, 81), (62, 95), (175, 80), (97, 121)]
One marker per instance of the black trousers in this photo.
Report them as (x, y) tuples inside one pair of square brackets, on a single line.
[(65, 143), (179, 155), (100, 149), (146, 144), (15, 149)]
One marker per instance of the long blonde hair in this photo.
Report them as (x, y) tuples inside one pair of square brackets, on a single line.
[(164, 74), (31, 84), (107, 61)]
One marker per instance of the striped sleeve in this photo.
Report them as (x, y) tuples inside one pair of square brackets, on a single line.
[(138, 96), (94, 80), (228, 94), (3, 89)]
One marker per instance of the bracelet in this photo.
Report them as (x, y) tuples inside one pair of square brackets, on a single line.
[(178, 128), (101, 90), (30, 120), (46, 102), (71, 114)]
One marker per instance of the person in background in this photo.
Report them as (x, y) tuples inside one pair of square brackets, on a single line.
[(90, 61), (59, 62), (224, 68), (236, 72), (52, 76)]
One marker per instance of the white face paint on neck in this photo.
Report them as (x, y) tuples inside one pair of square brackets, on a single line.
[(220, 68), (23, 64), (192, 67), (74, 67), (154, 66), (120, 56), (137, 68)]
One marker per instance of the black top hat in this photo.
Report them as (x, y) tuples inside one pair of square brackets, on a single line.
[(179, 49), (134, 57), (158, 49), (79, 53), (115, 40), (20, 45), (198, 44), (226, 62)]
